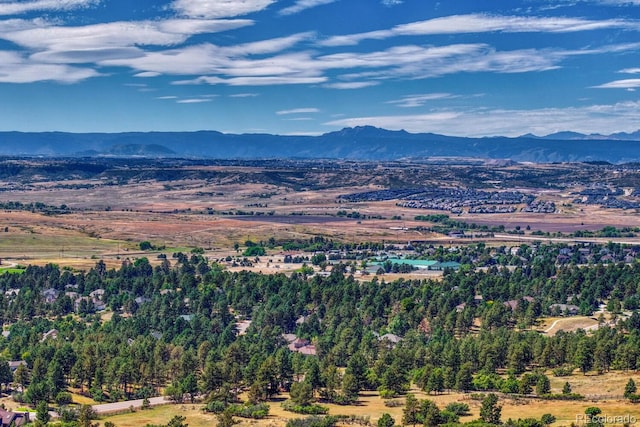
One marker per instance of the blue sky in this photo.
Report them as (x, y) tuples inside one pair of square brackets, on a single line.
[(463, 67)]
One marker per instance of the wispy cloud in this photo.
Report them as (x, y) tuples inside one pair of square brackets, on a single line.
[(301, 5), (193, 100), (411, 101), (14, 68), (298, 111), (219, 8), (20, 7), (147, 74), (243, 95), (167, 97), (390, 3), (252, 81), (482, 23), (630, 71), (620, 84), (351, 85), (117, 35)]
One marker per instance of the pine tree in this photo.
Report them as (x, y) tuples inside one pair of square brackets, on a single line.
[(543, 385), (411, 410), (630, 389), (386, 421), (464, 378), (490, 411)]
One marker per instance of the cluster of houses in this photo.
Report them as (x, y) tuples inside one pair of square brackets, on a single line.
[(93, 302), (13, 419), (587, 254), (446, 199)]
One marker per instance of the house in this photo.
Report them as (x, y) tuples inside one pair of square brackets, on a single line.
[(97, 294), (568, 309), (13, 365), (50, 295), (53, 334), (300, 345), (392, 338), (15, 419), (142, 300)]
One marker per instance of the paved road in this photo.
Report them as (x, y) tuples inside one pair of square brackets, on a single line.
[(106, 408)]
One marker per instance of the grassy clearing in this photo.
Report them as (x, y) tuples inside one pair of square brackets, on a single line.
[(553, 325), (162, 415), (609, 387), (11, 270)]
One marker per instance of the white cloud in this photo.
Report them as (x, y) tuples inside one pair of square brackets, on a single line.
[(234, 65), (167, 97), (219, 8), (603, 119), (411, 101), (252, 81), (390, 3), (620, 84), (19, 7), (147, 74), (298, 111), (243, 95), (16, 69), (630, 71), (301, 5), (117, 34), (481, 23), (193, 100), (351, 85)]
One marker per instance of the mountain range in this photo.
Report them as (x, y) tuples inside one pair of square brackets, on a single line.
[(358, 143)]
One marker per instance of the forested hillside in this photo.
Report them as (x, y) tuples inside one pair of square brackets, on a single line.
[(175, 325)]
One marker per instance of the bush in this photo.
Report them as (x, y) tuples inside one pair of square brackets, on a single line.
[(215, 406), (306, 409), (548, 419), (395, 403), (256, 412), (458, 408), (68, 415), (313, 422), (563, 371), (63, 398), (253, 251), (97, 394)]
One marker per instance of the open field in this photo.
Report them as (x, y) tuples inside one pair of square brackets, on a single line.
[(214, 206), (602, 391)]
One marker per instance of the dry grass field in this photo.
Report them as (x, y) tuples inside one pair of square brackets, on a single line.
[(110, 216), (603, 391)]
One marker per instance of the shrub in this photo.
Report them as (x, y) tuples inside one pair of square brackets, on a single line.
[(548, 419), (63, 398), (313, 422), (394, 403), (306, 409), (257, 412), (563, 371), (215, 406), (458, 408)]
